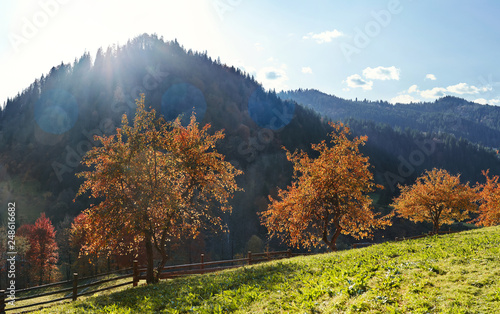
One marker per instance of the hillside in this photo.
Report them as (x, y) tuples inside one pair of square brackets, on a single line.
[(474, 122), (48, 127), (457, 273)]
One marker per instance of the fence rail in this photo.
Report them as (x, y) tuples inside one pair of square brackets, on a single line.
[(425, 235), (136, 275), (73, 290)]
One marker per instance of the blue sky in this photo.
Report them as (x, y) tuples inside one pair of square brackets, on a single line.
[(393, 50)]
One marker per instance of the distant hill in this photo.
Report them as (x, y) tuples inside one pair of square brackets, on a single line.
[(474, 122)]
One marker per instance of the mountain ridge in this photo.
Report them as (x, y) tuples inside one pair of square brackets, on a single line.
[(475, 122)]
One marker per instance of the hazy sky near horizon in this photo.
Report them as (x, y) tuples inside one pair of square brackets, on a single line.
[(393, 50)]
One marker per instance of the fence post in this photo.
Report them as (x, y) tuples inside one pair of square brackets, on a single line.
[(289, 253), (75, 286), (2, 301), (202, 261), (249, 258), (135, 277)]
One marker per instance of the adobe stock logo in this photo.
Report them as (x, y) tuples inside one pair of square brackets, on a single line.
[(39, 20), (407, 167), (224, 6)]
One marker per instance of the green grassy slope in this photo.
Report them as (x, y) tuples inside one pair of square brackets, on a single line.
[(457, 273)]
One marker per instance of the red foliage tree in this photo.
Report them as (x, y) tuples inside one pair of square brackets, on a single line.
[(42, 254)]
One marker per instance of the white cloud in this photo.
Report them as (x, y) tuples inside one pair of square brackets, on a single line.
[(258, 47), (413, 89), (365, 82), (436, 92), (464, 88), (482, 101), (458, 89), (382, 73), (324, 37), (431, 77), (273, 77), (356, 81), (307, 70), (404, 99)]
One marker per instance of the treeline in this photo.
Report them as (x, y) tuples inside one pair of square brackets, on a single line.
[(474, 122), (400, 156)]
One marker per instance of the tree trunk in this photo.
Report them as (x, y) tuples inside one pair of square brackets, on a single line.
[(164, 256), (159, 268), (40, 282), (150, 276), (332, 244), (435, 222), (435, 227)]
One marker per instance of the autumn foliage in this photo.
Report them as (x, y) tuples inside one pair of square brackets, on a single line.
[(329, 195), (42, 254), (489, 199), (155, 182), (436, 197)]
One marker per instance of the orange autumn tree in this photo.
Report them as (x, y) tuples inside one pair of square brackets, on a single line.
[(154, 181), (328, 197), (436, 197), (489, 199)]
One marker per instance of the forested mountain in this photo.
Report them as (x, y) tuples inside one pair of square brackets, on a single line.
[(452, 115), (47, 128)]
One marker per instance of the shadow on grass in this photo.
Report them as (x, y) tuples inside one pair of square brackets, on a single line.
[(195, 289)]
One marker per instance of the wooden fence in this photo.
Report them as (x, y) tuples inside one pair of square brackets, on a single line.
[(365, 244), (425, 235), (79, 286)]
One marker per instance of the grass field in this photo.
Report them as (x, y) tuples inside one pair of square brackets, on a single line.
[(456, 273)]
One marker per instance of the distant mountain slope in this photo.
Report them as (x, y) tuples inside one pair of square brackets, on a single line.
[(475, 122)]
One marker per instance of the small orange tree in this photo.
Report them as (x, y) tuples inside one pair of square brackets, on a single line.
[(328, 195), (155, 181), (436, 197), (489, 199)]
